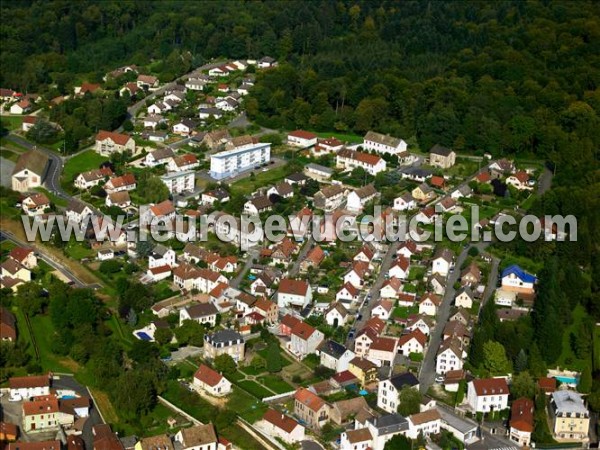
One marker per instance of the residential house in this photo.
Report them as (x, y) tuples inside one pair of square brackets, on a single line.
[(336, 315), (351, 159), (283, 190), (382, 143), (456, 329), (313, 259), (425, 423), (426, 215), (8, 327), (211, 381), (357, 274), (501, 167), (266, 62), (12, 269), (86, 180), (301, 138), (405, 202), (203, 313), (311, 409), (441, 157), (183, 163), (442, 262), (296, 179), (570, 418), (29, 171), (328, 145), (464, 298), (304, 340), (293, 293), (158, 157), (383, 309), (448, 204), (224, 342), (517, 280), (383, 350), (423, 193), (334, 356), (278, 425), (358, 439), (463, 191), (391, 289), (147, 82), (268, 309), (437, 284), (318, 172), (126, 182), (163, 211), (364, 370), (358, 198), (159, 442), (77, 211), (488, 394), (471, 275), (207, 113), (388, 390), (41, 414), (521, 421), (520, 181), (109, 142), (400, 268), (198, 437), (288, 322), (329, 198), (350, 410), (219, 195), (161, 256), (429, 304), (347, 294), (413, 342), (407, 249), (119, 199), (152, 121), (179, 182), (385, 428), (450, 356), (195, 84), (21, 107), (30, 386)]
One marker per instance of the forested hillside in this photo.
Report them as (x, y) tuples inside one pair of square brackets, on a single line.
[(517, 79)]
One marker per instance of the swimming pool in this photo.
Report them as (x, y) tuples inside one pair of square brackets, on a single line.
[(143, 336), (68, 397), (567, 380)]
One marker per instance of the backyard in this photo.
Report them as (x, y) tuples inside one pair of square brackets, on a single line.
[(82, 162)]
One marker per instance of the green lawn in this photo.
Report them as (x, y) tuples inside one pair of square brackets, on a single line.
[(248, 407), (11, 122), (9, 154), (43, 331), (83, 162), (78, 250), (12, 145), (344, 137), (58, 201), (255, 389), (405, 311), (247, 185), (275, 383)]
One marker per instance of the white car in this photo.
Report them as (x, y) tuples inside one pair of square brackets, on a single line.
[(439, 379)]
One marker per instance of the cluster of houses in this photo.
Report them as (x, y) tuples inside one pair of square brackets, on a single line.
[(15, 271)]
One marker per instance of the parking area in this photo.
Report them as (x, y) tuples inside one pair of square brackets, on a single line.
[(12, 413)]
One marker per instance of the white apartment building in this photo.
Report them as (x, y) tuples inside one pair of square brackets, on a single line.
[(231, 162), (178, 182)]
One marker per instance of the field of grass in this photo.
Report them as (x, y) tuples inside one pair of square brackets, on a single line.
[(83, 162), (56, 200), (43, 331), (247, 185), (78, 251), (405, 311), (9, 155), (254, 388), (275, 383), (11, 122), (344, 137), (248, 407), (12, 145)]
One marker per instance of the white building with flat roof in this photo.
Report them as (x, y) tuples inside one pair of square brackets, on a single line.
[(178, 182), (232, 162)]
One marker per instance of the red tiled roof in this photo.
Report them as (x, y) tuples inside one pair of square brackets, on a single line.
[(547, 384), (303, 330), (29, 382), (490, 386), (124, 180), (385, 344), (415, 334), (351, 289), (302, 134), (40, 405), (289, 321), (309, 399), (483, 177), (163, 208), (20, 253), (207, 375), (437, 181), (521, 415), (294, 287), (280, 420), (117, 138), (435, 299)]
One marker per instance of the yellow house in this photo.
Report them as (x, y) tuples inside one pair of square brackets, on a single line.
[(571, 418), (423, 192), (11, 268), (364, 370)]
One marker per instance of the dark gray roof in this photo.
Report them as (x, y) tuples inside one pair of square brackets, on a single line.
[(404, 379), (332, 348), (439, 150), (296, 177), (389, 423), (224, 337)]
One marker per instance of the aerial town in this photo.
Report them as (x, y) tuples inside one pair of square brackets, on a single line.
[(118, 340)]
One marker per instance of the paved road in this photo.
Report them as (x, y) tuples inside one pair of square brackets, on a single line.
[(55, 168), (311, 445), (68, 382), (384, 267), (250, 256), (301, 257), (57, 265), (134, 109)]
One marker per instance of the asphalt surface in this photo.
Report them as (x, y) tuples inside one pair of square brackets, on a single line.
[(311, 445), (301, 257), (250, 256)]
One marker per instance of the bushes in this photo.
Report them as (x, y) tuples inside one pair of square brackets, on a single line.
[(111, 266)]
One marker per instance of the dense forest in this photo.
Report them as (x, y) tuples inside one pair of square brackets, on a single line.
[(513, 78)]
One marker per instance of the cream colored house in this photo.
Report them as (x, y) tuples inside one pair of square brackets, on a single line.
[(29, 171), (570, 418), (108, 142)]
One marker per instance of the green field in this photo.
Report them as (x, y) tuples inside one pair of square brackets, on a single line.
[(344, 137), (254, 388), (83, 162), (247, 185), (275, 383), (43, 331), (405, 311), (9, 154), (248, 407), (11, 122)]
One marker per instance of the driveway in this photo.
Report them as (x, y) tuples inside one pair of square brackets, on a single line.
[(311, 445)]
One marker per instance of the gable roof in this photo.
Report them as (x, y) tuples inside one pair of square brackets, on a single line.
[(435, 299), (521, 415), (124, 180), (29, 382), (32, 160), (198, 435), (280, 420), (163, 208), (208, 376), (309, 399), (520, 273), (202, 310), (415, 334), (303, 330), (430, 415), (366, 158), (117, 138), (20, 253), (302, 134), (332, 348), (293, 287), (350, 288), (384, 344), (382, 139), (439, 150), (490, 386), (359, 435)]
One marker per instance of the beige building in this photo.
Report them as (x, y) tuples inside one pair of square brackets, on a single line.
[(41, 414), (441, 157), (222, 342), (571, 419), (29, 171), (311, 409), (108, 142)]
